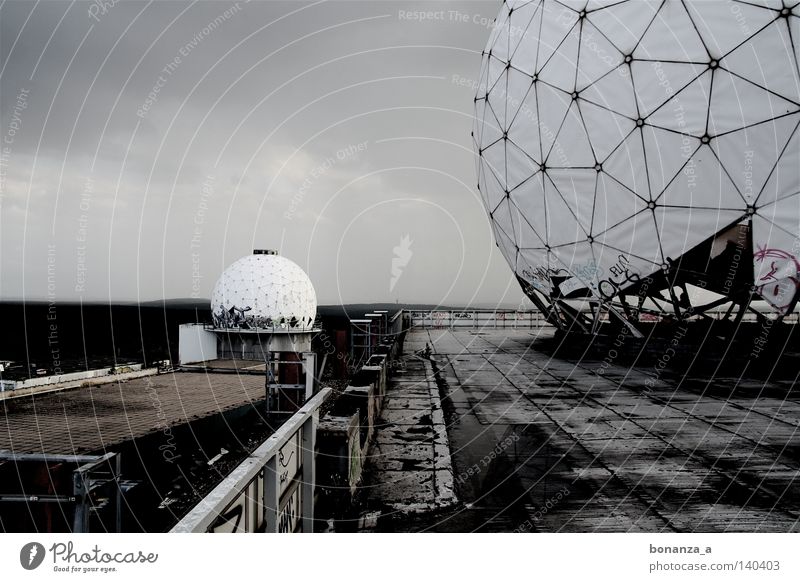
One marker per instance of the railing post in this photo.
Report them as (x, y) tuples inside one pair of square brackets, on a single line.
[(118, 490), (81, 518), (271, 495), (309, 477)]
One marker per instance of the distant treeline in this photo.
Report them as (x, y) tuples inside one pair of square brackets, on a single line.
[(36, 332)]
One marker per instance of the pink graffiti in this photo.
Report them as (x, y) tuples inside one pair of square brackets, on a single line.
[(779, 292)]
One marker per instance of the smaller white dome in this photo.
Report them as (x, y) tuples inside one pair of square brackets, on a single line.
[(264, 291)]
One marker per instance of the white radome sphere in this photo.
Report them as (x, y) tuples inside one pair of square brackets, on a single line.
[(613, 136), (264, 291)]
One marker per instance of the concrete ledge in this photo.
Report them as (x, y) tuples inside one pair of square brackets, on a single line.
[(70, 377), (411, 471), (347, 433), (339, 450), (79, 379)]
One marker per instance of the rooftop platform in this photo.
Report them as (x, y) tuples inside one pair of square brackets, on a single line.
[(541, 443), (92, 418)]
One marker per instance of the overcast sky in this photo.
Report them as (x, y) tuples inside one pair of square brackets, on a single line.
[(146, 145)]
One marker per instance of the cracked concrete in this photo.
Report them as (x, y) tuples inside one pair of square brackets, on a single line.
[(631, 454), (409, 468), (542, 443)]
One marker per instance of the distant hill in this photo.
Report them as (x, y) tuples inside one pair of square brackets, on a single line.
[(183, 303), (356, 310)]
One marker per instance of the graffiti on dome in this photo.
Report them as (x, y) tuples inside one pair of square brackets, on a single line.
[(778, 273), (542, 277), (238, 317)]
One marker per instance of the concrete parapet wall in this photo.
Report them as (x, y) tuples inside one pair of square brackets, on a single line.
[(339, 462), (73, 379), (347, 432)]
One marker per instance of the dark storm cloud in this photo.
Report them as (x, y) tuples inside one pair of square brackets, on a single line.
[(155, 142)]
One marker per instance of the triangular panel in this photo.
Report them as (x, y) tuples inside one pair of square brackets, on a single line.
[(519, 85), (687, 112), (526, 234), (562, 225), (598, 56), (553, 107), (614, 92), (493, 189), (627, 164), (557, 29), (749, 155), (524, 129), (560, 68), (625, 22), (667, 153), (577, 189), (724, 30), (571, 148), (776, 71), (606, 129), (526, 54), (529, 198), (656, 83), (614, 204), (745, 104), (702, 182), (671, 37), (519, 167)]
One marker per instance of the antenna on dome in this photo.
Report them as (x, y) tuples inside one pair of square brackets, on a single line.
[(264, 252)]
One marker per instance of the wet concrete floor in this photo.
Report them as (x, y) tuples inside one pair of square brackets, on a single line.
[(409, 469), (545, 444)]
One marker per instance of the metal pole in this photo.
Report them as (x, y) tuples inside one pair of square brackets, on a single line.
[(310, 364), (267, 395), (81, 511), (118, 473)]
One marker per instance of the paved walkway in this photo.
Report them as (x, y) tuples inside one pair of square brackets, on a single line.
[(409, 470), (542, 444)]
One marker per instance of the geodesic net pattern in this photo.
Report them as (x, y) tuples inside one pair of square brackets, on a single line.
[(264, 291), (614, 136)]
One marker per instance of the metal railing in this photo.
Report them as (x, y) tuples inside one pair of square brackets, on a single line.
[(273, 489), (476, 319), (94, 489)]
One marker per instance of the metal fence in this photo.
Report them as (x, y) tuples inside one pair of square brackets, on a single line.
[(89, 486), (477, 319), (512, 319)]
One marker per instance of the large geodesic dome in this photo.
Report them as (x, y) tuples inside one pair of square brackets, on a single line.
[(263, 290), (629, 150)]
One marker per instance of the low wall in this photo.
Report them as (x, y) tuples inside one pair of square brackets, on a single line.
[(346, 432), (73, 379), (339, 462)]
